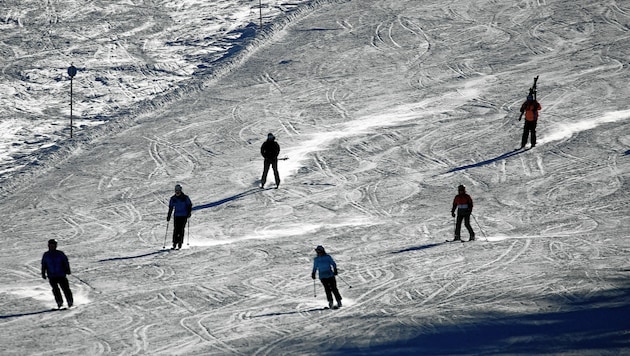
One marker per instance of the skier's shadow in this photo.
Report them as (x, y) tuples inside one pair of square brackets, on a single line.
[(229, 199), (132, 257), (287, 313), (8, 316), (419, 248), (488, 161)]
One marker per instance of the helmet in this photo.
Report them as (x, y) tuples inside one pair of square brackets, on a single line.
[(52, 242), (461, 187), (270, 136), (530, 97), (320, 248), (178, 188)]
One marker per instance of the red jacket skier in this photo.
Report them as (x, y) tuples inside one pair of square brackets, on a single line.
[(463, 203), (530, 108)]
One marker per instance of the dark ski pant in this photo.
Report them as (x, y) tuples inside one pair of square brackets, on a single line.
[(330, 287), (463, 215), (274, 165), (58, 283), (179, 226), (530, 126)]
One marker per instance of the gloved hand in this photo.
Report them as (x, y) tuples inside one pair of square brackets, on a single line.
[(335, 271), (168, 218), (313, 275), (453, 213), (43, 275)]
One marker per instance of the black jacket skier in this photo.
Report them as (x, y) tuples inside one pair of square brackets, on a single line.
[(55, 267), (270, 150)]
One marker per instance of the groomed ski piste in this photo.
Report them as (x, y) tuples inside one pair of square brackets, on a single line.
[(383, 108)]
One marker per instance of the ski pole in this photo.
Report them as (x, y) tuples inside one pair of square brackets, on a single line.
[(314, 289), (454, 227), (165, 234), (477, 222), (188, 221), (344, 281)]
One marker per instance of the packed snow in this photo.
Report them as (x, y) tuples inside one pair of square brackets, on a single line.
[(381, 109)]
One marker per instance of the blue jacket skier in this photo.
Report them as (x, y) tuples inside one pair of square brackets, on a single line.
[(55, 267), (327, 268), (182, 206)]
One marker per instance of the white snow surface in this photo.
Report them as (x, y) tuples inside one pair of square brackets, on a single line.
[(381, 107)]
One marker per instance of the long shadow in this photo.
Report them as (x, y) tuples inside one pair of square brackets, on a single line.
[(132, 257), (489, 161), (286, 313), (419, 248), (229, 199), (8, 316)]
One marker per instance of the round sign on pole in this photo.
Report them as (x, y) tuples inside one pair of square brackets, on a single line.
[(72, 71)]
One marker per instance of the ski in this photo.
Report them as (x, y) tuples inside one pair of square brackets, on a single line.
[(454, 241)]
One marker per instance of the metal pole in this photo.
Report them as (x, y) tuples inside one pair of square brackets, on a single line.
[(314, 289), (188, 222), (484, 234), (260, 9), (344, 281), (72, 71), (165, 234), (70, 107)]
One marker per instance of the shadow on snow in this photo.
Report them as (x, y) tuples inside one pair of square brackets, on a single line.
[(593, 325), (287, 313), (132, 257), (229, 199), (17, 315), (489, 161), (420, 248)]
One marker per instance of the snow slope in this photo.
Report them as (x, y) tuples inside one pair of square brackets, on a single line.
[(382, 108), (129, 55)]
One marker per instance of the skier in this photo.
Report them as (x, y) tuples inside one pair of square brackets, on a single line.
[(530, 108), (55, 266), (182, 205), (270, 150), (464, 205), (327, 268)]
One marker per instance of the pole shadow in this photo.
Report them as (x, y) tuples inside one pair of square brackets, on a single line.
[(489, 161)]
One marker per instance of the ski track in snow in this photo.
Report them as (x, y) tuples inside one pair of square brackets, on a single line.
[(381, 108)]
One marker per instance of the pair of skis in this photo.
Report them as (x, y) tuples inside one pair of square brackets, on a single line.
[(460, 240)]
